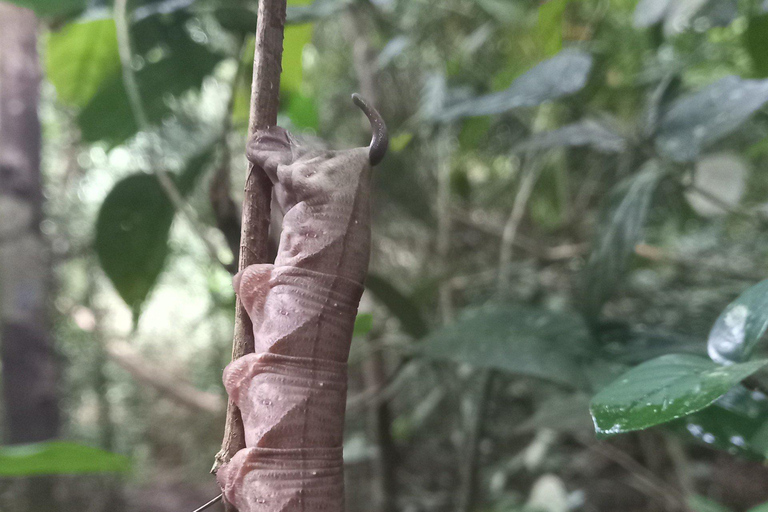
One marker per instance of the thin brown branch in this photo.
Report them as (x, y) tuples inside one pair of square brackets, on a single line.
[(147, 373), (258, 192)]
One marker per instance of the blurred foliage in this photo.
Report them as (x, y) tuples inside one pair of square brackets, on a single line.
[(575, 192)]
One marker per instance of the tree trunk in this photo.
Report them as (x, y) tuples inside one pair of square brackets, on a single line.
[(29, 375)]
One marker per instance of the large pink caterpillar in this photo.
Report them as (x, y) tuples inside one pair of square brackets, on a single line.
[(292, 391)]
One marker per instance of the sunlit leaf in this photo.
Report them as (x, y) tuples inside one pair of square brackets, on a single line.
[(173, 63), (80, 58), (363, 324), (619, 230), (700, 119), (664, 389), (562, 75), (549, 27), (516, 339), (296, 37), (400, 141), (302, 110), (740, 326), (58, 458)]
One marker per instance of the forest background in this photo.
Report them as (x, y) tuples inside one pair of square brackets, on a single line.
[(573, 189)]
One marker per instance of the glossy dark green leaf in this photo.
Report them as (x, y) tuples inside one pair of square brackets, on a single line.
[(664, 389), (80, 57), (696, 121), (583, 133), (132, 230), (619, 230), (172, 63), (58, 458), (402, 307), (740, 326), (756, 43), (517, 339), (562, 75), (737, 423)]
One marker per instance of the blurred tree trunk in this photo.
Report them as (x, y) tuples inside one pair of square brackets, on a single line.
[(28, 366)]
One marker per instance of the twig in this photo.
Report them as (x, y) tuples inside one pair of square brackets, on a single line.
[(474, 436), (508, 236), (444, 152), (656, 254), (651, 482), (140, 115), (159, 378), (725, 205), (258, 193), (225, 210), (210, 503)]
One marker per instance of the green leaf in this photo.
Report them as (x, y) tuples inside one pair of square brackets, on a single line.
[(756, 43), (363, 324), (619, 230), (549, 27), (664, 389), (302, 110), (759, 508), (740, 326), (58, 458), (517, 339), (702, 504), (296, 37), (132, 236), (562, 75), (173, 63), (737, 423), (401, 306), (80, 57), (46, 8), (132, 230), (696, 121)]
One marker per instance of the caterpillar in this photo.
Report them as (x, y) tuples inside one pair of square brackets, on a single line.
[(291, 391)]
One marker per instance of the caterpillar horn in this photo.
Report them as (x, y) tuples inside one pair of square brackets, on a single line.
[(380, 138)]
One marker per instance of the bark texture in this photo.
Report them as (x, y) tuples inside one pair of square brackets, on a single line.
[(254, 237), (28, 363), (29, 376)]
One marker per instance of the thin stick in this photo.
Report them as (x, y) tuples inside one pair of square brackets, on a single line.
[(258, 192), (210, 503)]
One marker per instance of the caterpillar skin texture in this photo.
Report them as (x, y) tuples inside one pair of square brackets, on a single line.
[(292, 391)]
